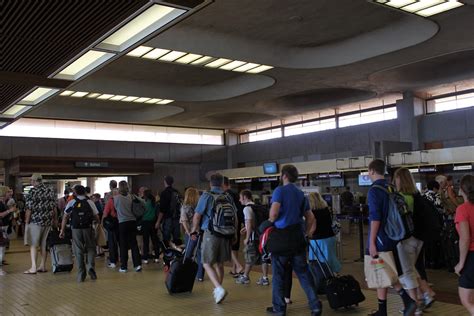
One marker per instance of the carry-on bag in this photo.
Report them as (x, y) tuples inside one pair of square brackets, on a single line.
[(182, 272), (61, 252), (380, 272), (341, 291)]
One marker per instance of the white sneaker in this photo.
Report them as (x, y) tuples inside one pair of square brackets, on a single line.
[(122, 270), (112, 265), (219, 294), (2, 273), (145, 261), (138, 268), (428, 300)]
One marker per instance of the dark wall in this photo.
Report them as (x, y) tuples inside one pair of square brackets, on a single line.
[(187, 163)]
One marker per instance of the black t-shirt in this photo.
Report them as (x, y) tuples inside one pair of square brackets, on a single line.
[(238, 205), (347, 198), (165, 201), (324, 224)]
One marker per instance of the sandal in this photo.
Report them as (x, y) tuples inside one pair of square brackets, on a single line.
[(29, 272)]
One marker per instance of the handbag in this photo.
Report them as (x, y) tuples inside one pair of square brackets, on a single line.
[(100, 236), (110, 222), (288, 241), (380, 272)]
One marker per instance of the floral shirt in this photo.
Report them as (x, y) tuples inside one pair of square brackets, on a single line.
[(435, 198), (41, 201), (187, 213)]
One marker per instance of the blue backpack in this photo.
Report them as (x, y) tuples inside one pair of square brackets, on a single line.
[(399, 223)]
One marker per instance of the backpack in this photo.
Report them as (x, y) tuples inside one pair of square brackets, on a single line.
[(261, 213), (81, 214), (175, 205), (138, 207), (223, 216), (427, 219), (399, 223)]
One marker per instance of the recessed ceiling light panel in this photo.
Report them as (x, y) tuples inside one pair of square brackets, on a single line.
[(105, 96), (165, 101), (129, 99), (188, 58), (17, 110), (84, 64), (172, 56), (259, 69), (149, 21), (139, 51), (202, 60), (424, 8), (420, 5), (218, 62), (79, 94), (118, 97), (93, 95), (66, 93), (152, 101), (37, 96), (232, 65), (156, 53), (141, 100), (246, 67), (440, 8), (112, 97)]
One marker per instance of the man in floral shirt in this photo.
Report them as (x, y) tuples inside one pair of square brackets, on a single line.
[(40, 216), (434, 196)]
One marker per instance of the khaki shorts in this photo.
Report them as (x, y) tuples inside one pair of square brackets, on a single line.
[(214, 249), (36, 235), (251, 254)]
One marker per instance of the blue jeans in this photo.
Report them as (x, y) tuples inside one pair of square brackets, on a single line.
[(171, 229), (189, 252), (300, 266)]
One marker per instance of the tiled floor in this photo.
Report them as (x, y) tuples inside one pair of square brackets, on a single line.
[(145, 294)]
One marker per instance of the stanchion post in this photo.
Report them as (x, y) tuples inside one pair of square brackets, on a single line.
[(361, 234)]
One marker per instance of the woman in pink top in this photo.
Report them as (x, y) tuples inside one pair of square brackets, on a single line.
[(465, 227)]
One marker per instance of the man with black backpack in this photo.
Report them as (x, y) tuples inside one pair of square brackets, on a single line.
[(82, 212), (170, 211), (218, 213)]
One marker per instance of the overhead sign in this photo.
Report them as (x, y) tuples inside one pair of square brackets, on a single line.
[(91, 164), (243, 180), (427, 169)]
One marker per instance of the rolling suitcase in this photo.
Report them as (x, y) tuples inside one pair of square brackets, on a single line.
[(341, 291), (61, 252), (182, 272)]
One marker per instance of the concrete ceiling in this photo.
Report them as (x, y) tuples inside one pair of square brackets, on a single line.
[(326, 53)]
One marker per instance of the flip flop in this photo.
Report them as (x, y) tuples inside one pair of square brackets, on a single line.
[(29, 272), (41, 270)]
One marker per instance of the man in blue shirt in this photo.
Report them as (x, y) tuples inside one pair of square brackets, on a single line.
[(215, 250), (378, 240), (287, 211)]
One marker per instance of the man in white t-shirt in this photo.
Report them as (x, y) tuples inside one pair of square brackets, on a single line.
[(251, 254)]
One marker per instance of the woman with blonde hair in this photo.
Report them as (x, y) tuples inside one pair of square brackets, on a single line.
[(191, 198), (410, 249), (324, 240)]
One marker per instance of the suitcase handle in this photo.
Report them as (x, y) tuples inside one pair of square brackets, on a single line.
[(319, 262)]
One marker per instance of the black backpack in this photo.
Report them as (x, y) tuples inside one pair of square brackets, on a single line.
[(262, 213), (427, 219), (175, 205), (81, 214), (223, 216)]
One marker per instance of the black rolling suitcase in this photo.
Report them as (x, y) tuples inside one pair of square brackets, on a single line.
[(182, 273), (61, 252), (341, 291)]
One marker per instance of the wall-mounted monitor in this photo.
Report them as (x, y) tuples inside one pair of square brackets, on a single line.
[(364, 180), (270, 168), (336, 182)]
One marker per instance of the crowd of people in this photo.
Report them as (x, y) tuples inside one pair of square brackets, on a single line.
[(191, 221)]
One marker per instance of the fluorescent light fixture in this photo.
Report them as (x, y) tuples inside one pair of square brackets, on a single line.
[(118, 97), (218, 62), (156, 53), (93, 95), (3, 124), (165, 101), (37, 96), (152, 101), (105, 96), (420, 5), (139, 51), (424, 8), (66, 93), (463, 167), (399, 3), (440, 8), (141, 100), (414, 170), (364, 173), (188, 58), (140, 27), (172, 56), (129, 99), (84, 64), (246, 67), (202, 60), (17, 110), (259, 69), (79, 94), (232, 65)]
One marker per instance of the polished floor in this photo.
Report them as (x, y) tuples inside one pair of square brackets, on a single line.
[(145, 294)]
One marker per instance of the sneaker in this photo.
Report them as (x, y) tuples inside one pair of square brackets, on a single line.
[(263, 281), (138, 269), (122, 270), (92, 274), (111, 265), (145, 261), (2, 273), (243, 279), (156, 260), (428, 300), (219, 294)]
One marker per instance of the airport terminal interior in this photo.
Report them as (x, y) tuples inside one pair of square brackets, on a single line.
[(190, 94)]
